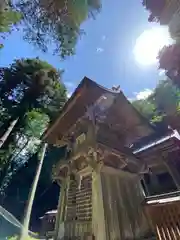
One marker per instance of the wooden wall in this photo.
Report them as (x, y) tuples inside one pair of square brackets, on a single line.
[(122, 201), (117, 212), (78, 209)]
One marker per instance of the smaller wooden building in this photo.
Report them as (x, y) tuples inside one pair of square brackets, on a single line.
[(162, 183), (48, 224)]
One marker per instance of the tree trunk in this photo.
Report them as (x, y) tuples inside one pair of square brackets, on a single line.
[(24, 106), (8, 131), (24, 232), (8, 166)]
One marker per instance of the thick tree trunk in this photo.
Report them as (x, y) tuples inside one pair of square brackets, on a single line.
[(8, 131), (24, 232)]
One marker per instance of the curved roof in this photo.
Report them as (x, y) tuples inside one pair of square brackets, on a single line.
[(86, 94)]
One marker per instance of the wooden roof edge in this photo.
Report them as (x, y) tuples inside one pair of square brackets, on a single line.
[(155, 144), (85, 82)]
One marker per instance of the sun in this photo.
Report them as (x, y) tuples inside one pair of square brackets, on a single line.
[(149, 43)]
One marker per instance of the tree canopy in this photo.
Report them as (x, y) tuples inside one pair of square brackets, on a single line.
[(155, 8), (162, 104), (169, 60), (52, 26), (31, 83), (55, 24), (9, 18), (31, 91)]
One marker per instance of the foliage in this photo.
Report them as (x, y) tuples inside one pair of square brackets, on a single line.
[(169, 57), (31, 83), (169, 60), (36, 123), (166, 97), (174, 27), (8, 18), (30, 89), (17, 191), (55, 23), (155, 8), (163, 102), (146, 108), (17, 237)]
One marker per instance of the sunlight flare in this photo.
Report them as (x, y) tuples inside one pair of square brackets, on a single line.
[(149, 43)]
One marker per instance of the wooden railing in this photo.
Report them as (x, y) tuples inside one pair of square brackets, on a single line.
[(164, 214)]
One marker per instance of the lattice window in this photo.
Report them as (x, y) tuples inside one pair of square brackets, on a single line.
[(79, 204), (166, 220), (71, 202)]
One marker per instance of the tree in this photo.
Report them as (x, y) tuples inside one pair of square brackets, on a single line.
[(155, 9), (169, 60), (31, 95), (17, 191), (25, 229), (55, 23), (26, 145), (147, 109), (26, 85), (166, 97), (162, 105), (174, 27), (8, 19)]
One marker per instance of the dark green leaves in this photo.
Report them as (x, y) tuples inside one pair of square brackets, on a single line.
[(55, 24), (164, 101), (32, 92), (8, 18)]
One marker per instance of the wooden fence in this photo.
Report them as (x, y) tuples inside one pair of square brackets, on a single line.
[(164, 214)]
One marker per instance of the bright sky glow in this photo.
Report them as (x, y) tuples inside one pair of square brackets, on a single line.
[(149, 43), (143, 94)]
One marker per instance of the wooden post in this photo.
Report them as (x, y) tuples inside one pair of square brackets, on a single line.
[(24, 232), (61, 207), (98, 219)]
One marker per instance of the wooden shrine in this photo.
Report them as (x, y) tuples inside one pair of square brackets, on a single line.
[(48, 224), (161, 183), (101, 193)]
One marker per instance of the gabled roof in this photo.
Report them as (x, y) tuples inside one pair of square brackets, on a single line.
[(86, 94)]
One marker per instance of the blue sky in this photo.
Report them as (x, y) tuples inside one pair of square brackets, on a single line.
[(104, 54)]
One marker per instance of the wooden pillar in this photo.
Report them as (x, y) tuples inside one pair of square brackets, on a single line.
[(98, 219), (61, 208)]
